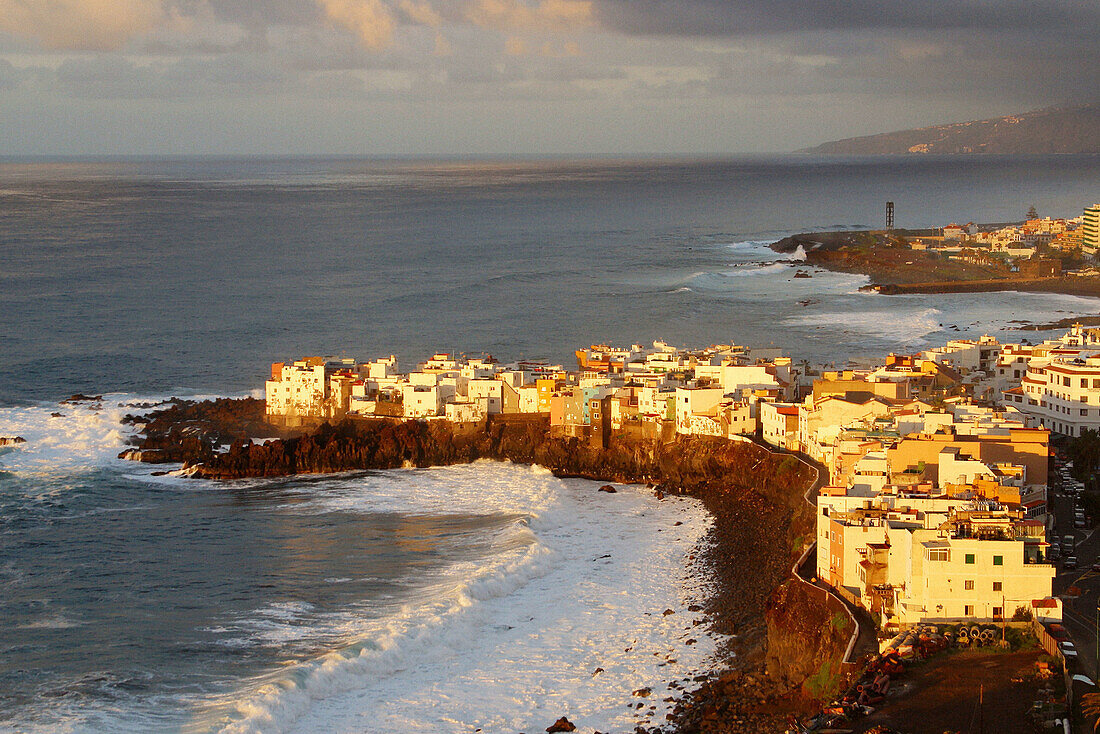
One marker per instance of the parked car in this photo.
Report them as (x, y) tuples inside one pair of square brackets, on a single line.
[(1079, 522), (1067, 543), (1070, 563), (1096, 567), (1068, 650)]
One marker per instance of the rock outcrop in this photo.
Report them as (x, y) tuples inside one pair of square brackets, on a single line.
[(11, 440), (193, 432)]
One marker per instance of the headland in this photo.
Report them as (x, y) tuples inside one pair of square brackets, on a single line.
[(927, 457), (1036, 256)]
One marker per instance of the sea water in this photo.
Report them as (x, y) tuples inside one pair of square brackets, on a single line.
[(489, 596), (442, 600)]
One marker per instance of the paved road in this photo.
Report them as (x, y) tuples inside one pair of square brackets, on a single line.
[(1080, 612)]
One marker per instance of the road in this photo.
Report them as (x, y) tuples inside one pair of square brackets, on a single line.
[(1080, 612)]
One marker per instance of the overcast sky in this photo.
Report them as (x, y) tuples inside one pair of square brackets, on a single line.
[(529, 77)]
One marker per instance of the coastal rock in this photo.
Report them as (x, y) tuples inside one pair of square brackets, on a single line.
[(12, 440), (608, 488), (562, 724), (81, 398), (190, 432)]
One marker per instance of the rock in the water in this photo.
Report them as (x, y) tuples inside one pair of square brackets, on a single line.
[(608, 488), (668, 612), (82, 398), (12, 440), (562, 724), (643, 692)]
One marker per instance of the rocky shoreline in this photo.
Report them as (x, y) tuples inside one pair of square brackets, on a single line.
[(894, 268), (762, 522)]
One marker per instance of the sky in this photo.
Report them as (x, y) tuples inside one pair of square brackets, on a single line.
[(523, 77)]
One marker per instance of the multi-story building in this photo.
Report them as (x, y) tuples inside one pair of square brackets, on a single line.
[(913, 556), (311, 388), (1090, 228), (1062, 395)]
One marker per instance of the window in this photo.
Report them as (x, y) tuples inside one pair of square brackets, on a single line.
[(968, 610), (970, 558), (937, 554), (1084, 411), (998, 612), (996, 585), (998, 560), (968, 585)]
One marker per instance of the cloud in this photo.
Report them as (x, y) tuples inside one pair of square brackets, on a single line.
[(372, 21), (544, 15), (421, 13), (87, 25), (755, 17)]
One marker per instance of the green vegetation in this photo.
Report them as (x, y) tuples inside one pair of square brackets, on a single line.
[(840, 623), (1085, 453), (825, 683)]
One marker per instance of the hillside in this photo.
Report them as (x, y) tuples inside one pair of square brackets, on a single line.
[(1064, 130)]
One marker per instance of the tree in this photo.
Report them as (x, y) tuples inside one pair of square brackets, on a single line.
[(1085, 452), (1032, 213), (1090, 707)]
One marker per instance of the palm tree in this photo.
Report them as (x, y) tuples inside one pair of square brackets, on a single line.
[(1090, 707)]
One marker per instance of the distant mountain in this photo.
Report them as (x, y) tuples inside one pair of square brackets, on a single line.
[(1054, 130)]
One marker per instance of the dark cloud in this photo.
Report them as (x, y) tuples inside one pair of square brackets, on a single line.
[(755, 17)]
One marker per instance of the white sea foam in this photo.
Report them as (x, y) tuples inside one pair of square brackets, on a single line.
[(578, 581), (63, 438), (905, 326)]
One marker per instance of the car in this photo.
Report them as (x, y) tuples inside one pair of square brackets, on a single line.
[(1070, 563), (1096, 567), (1068, 650), (1079, 522), (1067, 542)]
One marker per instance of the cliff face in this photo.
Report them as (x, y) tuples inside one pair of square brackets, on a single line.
[(808, 633), (1072, 130)]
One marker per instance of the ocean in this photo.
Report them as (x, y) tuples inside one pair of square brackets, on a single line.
[(444, 600)]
